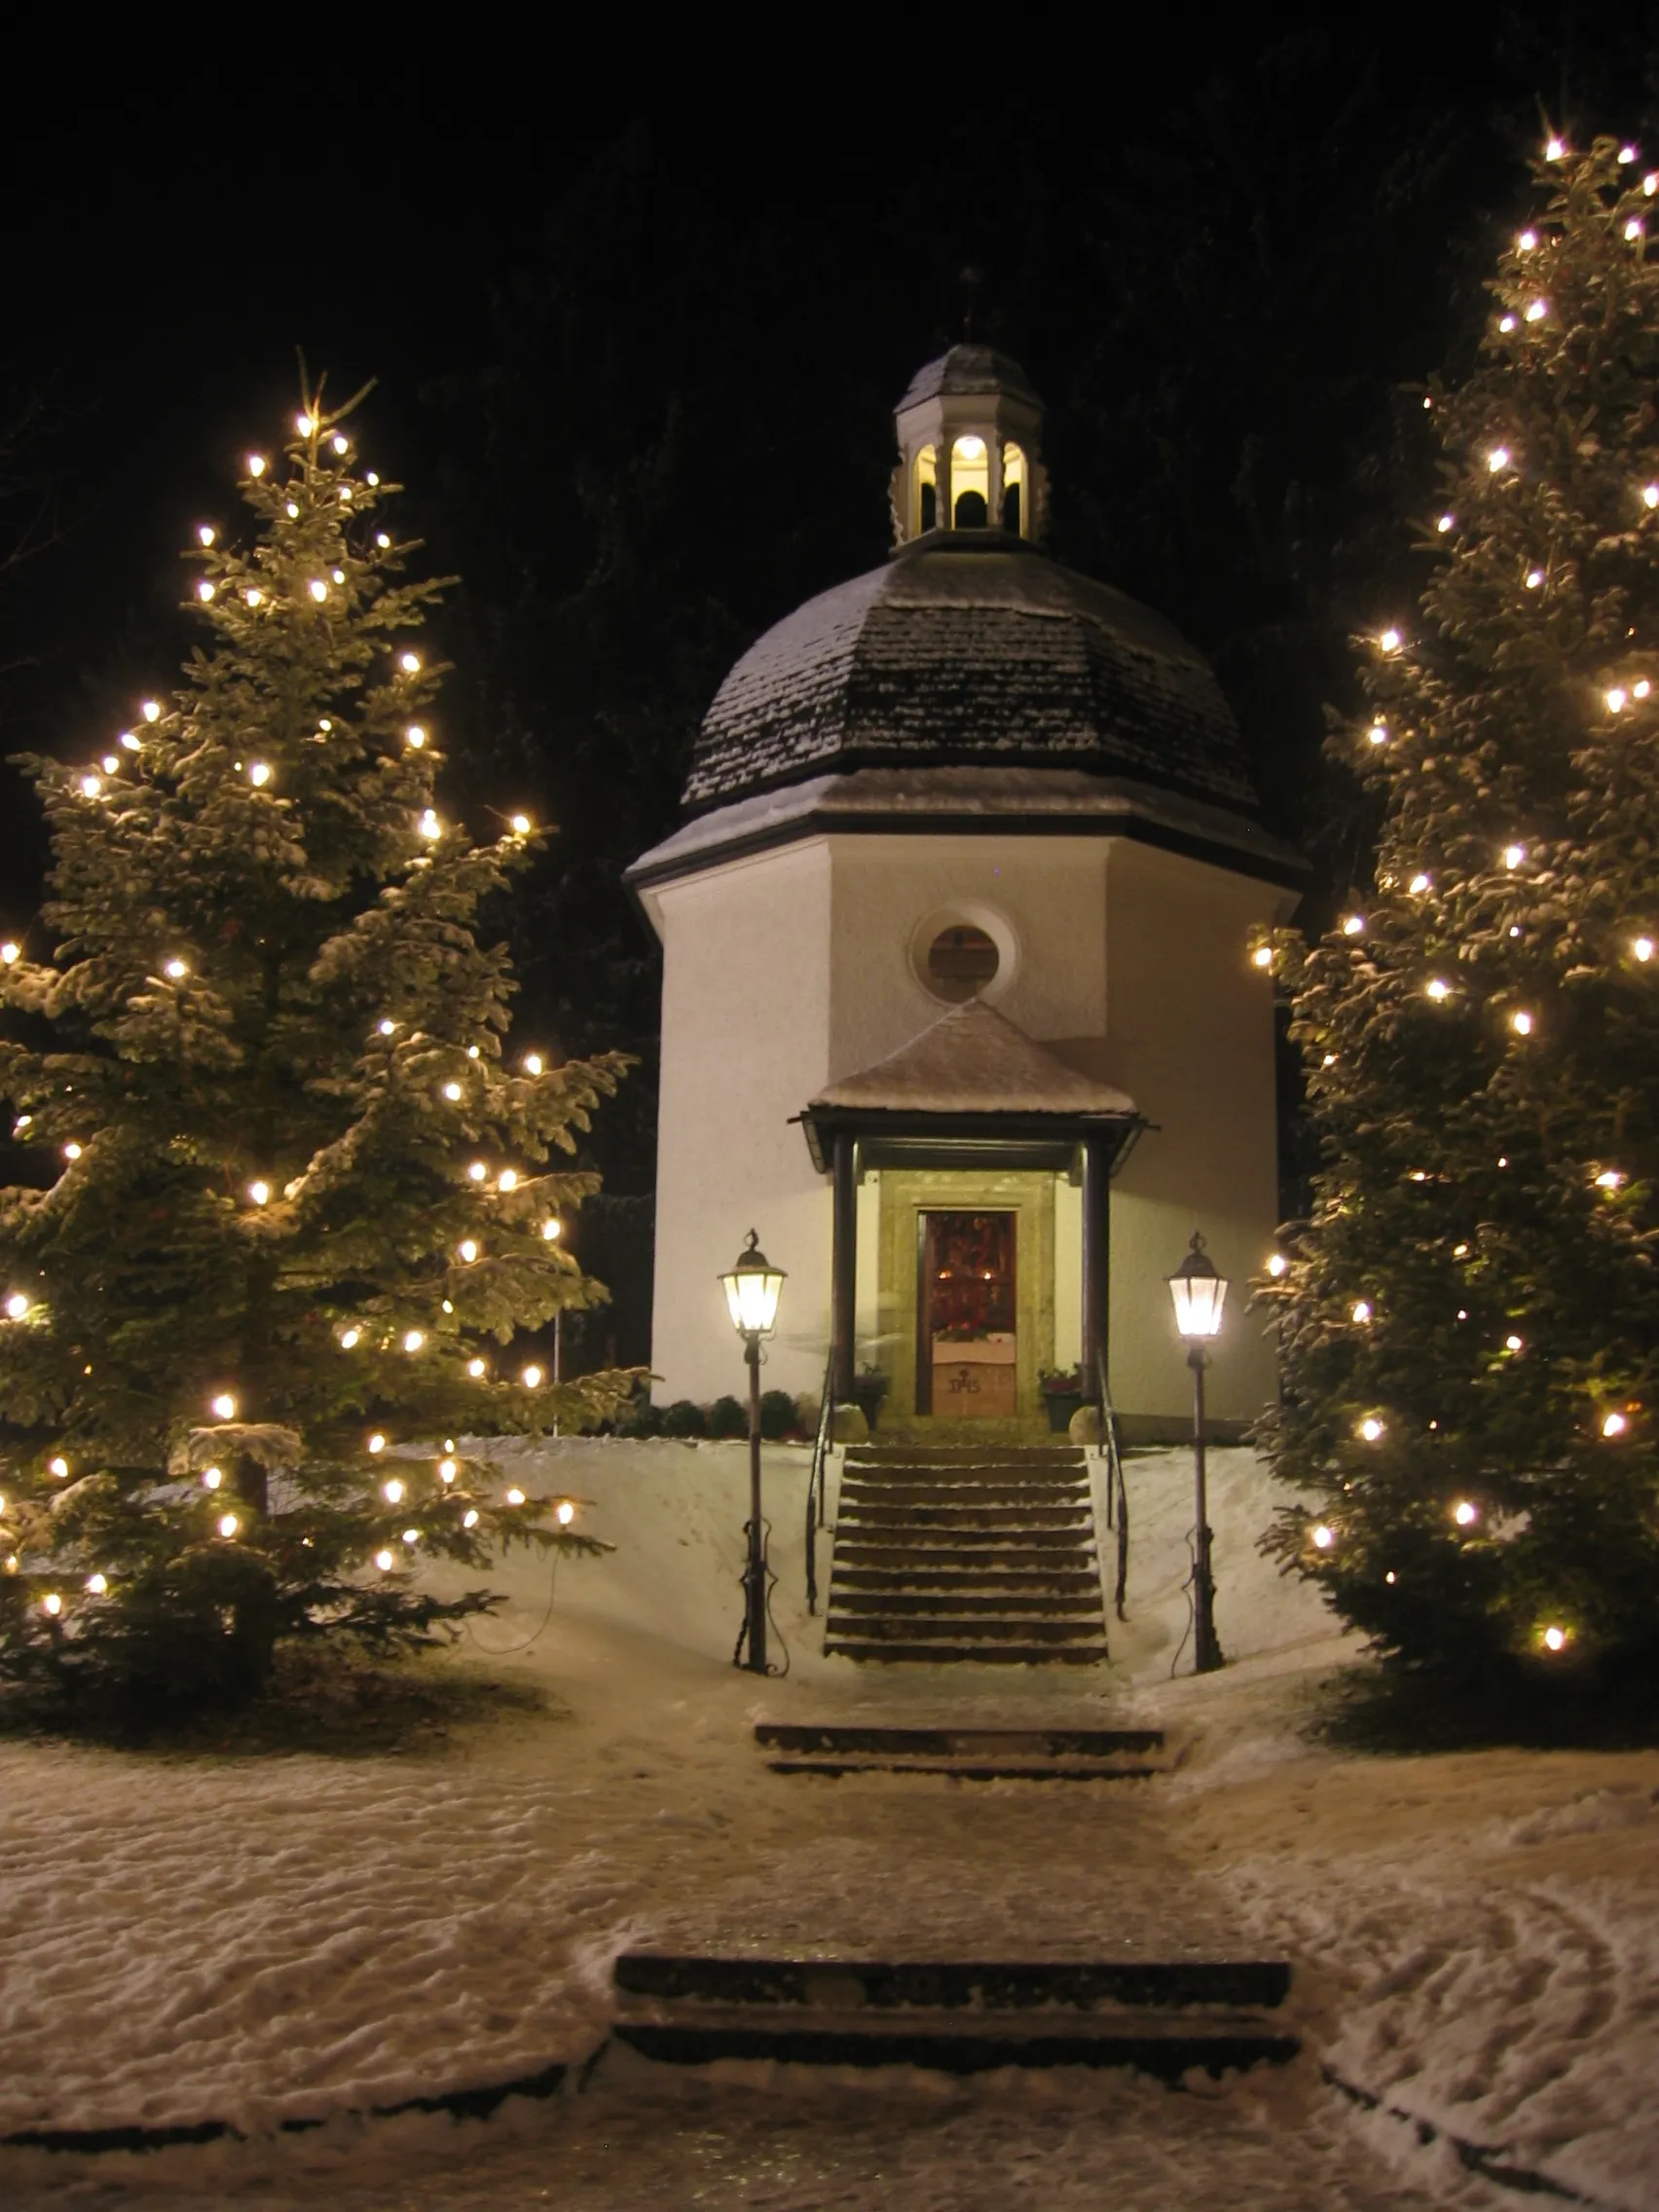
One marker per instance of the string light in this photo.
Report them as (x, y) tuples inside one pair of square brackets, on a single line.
[(1353, 924), (383, 1561), (212, 1477), (1627, 154), (1650, 183), (1377, 733), (409, 663), (1465, 1514), (531, 1378), (1263, 956), (319, 589), (258, 774), (151, 710), (413, 1339), (452, 1092), (376, 1442), (1642, 947), (1419, 883), (1512, 1344), (1361, 1310), (472, 1052), (71, 1151), (1521, 1023), (476, 1368), (1537, 309), (256, 464), (91, 786), (477, 1171), (1535, 578), (11, 953), (254, 597), (304, 425), (549, 1231), (228, 1524), (1609, 1179), (1555, 150), (1324, 1536), (17, 1305), (1329, 1061), (1370, 1428), (59, 1466), (563, 1513), (446, 1470), (207, 533), (1616, 699), (393, 1491), (507, 1180), (521, 825), (1555, 1639), (468, 1251), (97, 1584), (1615, 1424), (515, 1497), (431, 829), (110, 763), (1390, 1577), (1527, 241), (1633, 229), (415, 735), (1641, 689), (349, 1337), (1389, 641), (1506, 323), (411, 1535), (532, 1063), (338, 575), (387, 1026), (51, 1604), (341, 443), (382, 539), (372, 478), (1437, 988), (224, 1406), (469, 1519), (1446, 523), (1497, 459), (260, 1193)]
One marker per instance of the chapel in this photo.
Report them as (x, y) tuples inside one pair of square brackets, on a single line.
[(959, 1006)]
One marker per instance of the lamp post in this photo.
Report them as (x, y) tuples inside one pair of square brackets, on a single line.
[(1200, 1294), (751, 1285)]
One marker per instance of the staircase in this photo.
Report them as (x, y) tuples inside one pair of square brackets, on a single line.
[(966, 1552), (1162, 2017), (966, 1754)]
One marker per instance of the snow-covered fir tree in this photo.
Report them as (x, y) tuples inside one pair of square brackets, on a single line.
[(293, 1199), (1470, 1323)]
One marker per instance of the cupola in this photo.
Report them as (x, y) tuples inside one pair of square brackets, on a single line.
[(970, 446)]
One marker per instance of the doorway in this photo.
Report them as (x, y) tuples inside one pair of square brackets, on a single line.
[(967, 1308)]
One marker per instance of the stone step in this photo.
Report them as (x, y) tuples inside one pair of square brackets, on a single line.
[(957, 2018), (964, 1494), (836, 1740), (922, 1653), (867, 1514), (965, 1454), (963, 1770), (890, 1604), (964, 1628), (1073, 1559), (1016, 1581)]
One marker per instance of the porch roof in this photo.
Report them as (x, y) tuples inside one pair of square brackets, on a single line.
[(973, 1061)]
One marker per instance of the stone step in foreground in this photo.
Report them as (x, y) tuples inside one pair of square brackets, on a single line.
[(956, 2017), (966, 1754)]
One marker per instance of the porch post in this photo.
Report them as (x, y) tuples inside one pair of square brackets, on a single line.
[(844, 1264), (1096, 1259)]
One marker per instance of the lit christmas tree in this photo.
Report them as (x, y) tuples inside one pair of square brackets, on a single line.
[(294, 1202), (1469, 1324)]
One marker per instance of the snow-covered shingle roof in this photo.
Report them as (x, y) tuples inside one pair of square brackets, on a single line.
[(974, 1060), (965, 648)]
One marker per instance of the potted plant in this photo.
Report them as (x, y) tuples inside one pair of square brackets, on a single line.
[(1062, 1393), (870, 1387)]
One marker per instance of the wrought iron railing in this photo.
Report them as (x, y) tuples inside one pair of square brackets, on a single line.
[(817, 1482), (1116, 1497)]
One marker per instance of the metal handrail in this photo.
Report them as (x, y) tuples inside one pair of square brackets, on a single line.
[(817, 1483), (1117, 1496)]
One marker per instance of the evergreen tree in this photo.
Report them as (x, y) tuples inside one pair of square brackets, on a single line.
[(1470, 1323), (294, 1205)]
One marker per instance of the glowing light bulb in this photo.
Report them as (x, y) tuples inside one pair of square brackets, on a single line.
[(1390, 1577), (415, 735), (409, 663), (1642, 947), (521, 825), (304, 425), (411, 1535), (563, 1513), (1446, 523), (1389, 641), (1352, 925), (383, 1561), (1555, 1639), (17, 1305), (1627, 154), (413, 1339), (228, 1524), (71, 1151), (549, 1231), (469, 1519), (477, 1171), (970, 448), (319, 589), (1377, 733), (1641, 689), (382, 539), (338, 575), (350, 1338), (224, 1406), (1616, 699), (515, 1497), (507, 1180), (1370, 1428), (11, 953), (255, 597), (1537, 309), (91, 786), (1634, 227), (204, 591), (256, 464), (1615, 1424), (468, 1251), (1437, 988), (1506, 323), (431, 829), (97, 1584), (1263, 956), (1324, 1536), (1497, 459), (1465, 1514), (476, 1368), (446, 1470), (1361, 1311), (59, 1466), (340, 443), (532, 1063), (258, 774), (1512, 1344), (110, 764), (1419, 883), (371, 478), (1609, 1179), (451, 1091), (1650, 495), (1535, 578), (207, 533), (51, 1604), (386, 1025), (1521, 1023), (260, 1193), (393, 1490), (1514, 855), (130, 743), (1650, 183), (472, 1052), (1527, 241), (531, 1378), (212, 1477), (1555, 150), (376, 1442), (151, 710)]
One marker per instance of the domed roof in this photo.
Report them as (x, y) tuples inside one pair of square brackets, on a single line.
[(965, 648), (968, 368)]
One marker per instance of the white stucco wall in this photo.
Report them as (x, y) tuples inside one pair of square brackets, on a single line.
[(790, 970)]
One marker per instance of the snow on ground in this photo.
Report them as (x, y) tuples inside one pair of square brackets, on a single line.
[(1475, 1937)]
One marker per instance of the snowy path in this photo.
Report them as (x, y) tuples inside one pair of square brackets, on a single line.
[(275, 1938)]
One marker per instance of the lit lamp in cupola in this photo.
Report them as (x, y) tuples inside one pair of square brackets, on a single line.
[(968, 438), (1200, 1293)]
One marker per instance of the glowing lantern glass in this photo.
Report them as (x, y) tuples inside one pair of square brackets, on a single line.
[(752, 1286), (1199, 1293)]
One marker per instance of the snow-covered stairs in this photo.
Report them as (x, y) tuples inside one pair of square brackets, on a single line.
[(965, 1755), (954, 2018), (970, 1552)]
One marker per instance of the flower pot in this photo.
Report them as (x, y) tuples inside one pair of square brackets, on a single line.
[(1062, 1405)]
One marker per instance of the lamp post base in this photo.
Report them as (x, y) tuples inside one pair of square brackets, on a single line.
[(1206, 1644)]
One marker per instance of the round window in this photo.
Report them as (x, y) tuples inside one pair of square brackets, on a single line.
[(960, 962)]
